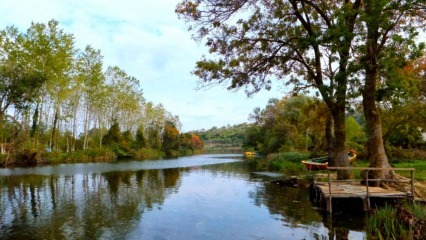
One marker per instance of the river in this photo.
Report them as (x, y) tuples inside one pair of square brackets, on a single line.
[(198, 197)]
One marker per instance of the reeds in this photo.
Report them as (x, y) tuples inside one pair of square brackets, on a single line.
[(385, 224)]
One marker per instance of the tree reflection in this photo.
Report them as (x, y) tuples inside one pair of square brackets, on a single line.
[(96, 206), (114, 205), (292, 203), (294, 206)]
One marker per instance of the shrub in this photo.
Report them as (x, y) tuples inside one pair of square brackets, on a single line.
[(288, 162), (148, 153), (89, 155), (186, 152), (384, 224)]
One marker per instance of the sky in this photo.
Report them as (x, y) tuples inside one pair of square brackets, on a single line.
[(146, 39)]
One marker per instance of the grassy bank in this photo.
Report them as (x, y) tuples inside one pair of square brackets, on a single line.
[(31, 158), (81, 156), (287, 163), (405, 222), (419, 165)]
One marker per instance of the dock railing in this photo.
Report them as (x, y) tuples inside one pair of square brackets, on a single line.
[(367, 180)]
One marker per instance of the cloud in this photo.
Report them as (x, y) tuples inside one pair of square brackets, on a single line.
[(147, 40)]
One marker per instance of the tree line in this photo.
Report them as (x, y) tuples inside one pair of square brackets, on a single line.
[(223, 139), (58, 98), (298, 123)]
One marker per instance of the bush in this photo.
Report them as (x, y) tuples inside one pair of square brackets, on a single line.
[(89, 155), (3, 159), (288, 163), (295, 157), (148, 153), (384, 224), (407, 154), (186, 152)]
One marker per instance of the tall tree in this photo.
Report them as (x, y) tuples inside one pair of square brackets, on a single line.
[(20, 84), (308, 44), (125, 97), (389, 40), (305, 43), (89, 87), (404, 113), (50, 51)]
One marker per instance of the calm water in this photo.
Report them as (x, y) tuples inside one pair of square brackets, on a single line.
[(199, 197)]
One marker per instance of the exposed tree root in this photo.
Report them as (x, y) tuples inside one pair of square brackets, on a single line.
[(403, 184)]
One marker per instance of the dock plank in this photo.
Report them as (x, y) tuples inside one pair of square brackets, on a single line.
[(346, 190)]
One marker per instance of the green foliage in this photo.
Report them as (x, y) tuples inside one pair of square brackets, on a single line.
[(190, 143), (418, 210), (117, 141), (19, 83), (328, 46), (148, 153), (113, 136), (170, 141), (292, 123), (355, 135), (54, 87), (154, 138), (186, 152), (90, 155), (384, 224), (140, 141), (224, 138), (288, 162)]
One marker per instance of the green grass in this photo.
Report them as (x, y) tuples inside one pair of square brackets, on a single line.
[(288, 163), (90, 155), (419, 165), (148, 153), (384, 222)]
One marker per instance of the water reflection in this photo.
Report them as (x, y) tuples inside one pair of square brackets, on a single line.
[(196, 201), (95, 206)]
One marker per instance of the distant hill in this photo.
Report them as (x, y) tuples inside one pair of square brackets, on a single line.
[(224, 139)]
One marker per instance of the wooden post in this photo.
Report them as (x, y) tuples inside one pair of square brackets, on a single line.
[(329, 202), (412, 184), (368, 195)]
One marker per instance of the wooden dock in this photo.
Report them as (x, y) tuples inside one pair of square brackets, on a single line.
[(325, 192)]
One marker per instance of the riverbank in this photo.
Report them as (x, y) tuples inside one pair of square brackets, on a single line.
[(32, 158)]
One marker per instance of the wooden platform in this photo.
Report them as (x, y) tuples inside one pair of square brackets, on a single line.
[(335, 190), (323, 193), (356, 190), (326, 192)]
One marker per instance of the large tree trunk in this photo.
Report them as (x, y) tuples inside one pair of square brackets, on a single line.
[(375, 147), (339, 157), (329, 136)]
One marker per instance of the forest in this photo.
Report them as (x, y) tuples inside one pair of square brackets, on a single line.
[(60, 103), (298, 123)]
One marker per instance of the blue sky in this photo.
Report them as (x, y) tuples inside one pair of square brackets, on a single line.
[(147, 40)]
